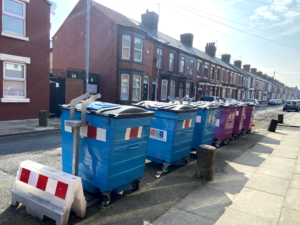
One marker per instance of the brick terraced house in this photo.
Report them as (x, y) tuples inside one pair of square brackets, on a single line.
[(24, 58), (133, 57)]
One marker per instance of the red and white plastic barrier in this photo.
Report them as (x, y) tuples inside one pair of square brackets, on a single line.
[(48, 192)]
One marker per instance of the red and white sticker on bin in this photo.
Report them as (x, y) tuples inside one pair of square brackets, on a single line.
[(187, 123), (39, 181), (133, 132)]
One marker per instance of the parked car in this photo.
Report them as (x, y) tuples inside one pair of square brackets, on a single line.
[(255, 101), (230, 100), (291, 105), (279, 101), (211, 99), (272, 102)]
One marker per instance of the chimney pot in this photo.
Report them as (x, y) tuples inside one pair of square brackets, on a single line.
[(187, 39)]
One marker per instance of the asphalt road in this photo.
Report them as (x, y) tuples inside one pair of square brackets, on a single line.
[(45, 148)]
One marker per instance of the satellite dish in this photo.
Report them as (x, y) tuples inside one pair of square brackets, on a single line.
[(53, 6)]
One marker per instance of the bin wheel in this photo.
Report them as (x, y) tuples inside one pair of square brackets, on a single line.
[(106, 199), (244, 132), (135, 185), (226, 142), (183, 162), (165, 168), (233, 138), (218, 144)]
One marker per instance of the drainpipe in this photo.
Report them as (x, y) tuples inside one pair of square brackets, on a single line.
[(117, 89)]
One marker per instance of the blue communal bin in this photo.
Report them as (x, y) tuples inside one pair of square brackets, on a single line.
[(171, 134), (205, 124), (112, 148)]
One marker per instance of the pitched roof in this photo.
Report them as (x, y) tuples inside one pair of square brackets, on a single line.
[(118, 18)]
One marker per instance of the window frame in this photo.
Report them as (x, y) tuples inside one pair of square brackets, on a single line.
[(212, 73), (205, 71), (198, 69), (126, 47), (15, 16), (139, 99), (128, 82), (218, 74), (227, 76), (158, 61), (15, 79), (192, 62), (172, 86), (173, 64), (138, 50), (186, 88), (222, 76), (182, 59), (164, 99)]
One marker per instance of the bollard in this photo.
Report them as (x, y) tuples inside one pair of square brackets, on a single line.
[(273, 125), (43, 118), (280, 118), (205, 162)]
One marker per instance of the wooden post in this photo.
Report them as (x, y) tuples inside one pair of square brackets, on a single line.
[(205, 162)]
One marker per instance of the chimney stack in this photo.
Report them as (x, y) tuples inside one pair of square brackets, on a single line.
[(226, 58), (150, 19), (259, 73), (238, 63), (211, 49), (253, 70), (247, 67), (187, 39)]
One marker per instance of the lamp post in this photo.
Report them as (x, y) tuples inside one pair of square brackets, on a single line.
[(157, 79)]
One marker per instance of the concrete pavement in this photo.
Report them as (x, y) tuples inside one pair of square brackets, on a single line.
[(261, 186), (293, 120)]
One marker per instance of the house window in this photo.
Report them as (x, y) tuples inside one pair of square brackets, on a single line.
[(198, 69), (125, 87), (191, 72), (181, 67), (159, 58), (227, 77), (138, 47), (212, 71), (235, 79), (172, 89), (136, 88), (187, 89), (14, 80), (164, 89), (206, 72), (222, 77), (126, 41), (218, 74), (181, 87), (224, 93), (171, 62), (231, 80), (13, 17)]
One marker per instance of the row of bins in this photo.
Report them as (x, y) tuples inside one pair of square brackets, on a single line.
[(118, 139)]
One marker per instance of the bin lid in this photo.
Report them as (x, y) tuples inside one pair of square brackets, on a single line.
[(164, 106), (229, 105), (204, 105), (112, 110)]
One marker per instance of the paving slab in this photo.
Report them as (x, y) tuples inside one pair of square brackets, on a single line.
[(258, 203), (276, 170), (287, 148), (234, 217), (270, 184), (176, 216), (268, 140), (227, 183), (285, 154), (205, 202), (261, 148), (251, 158), (238, 169), (297, 168), (295, 182), (291, 142), (279, 161), (276, 136), (289, 217), (292, 200)]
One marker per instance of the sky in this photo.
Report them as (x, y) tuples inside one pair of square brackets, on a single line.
[(263, 33)]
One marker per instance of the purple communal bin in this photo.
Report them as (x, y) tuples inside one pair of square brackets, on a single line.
[(224, 124), (249, 114), (238, 121)]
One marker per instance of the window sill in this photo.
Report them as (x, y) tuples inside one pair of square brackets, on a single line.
[(7, 34), (15, 100), (191, 75), (158, 68), (125, 60), (141, 63)]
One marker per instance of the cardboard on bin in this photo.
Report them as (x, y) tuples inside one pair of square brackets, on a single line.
[(168, 107)]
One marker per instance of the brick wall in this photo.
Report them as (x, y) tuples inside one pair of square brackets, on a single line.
[(74, 88)]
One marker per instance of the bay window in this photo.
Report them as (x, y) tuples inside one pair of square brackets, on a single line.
[(164, 89), (14, 17), (159, 58), (126, 41), (172, 89), (136, 88), (125, 87), (14, 80), (138, 49)]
